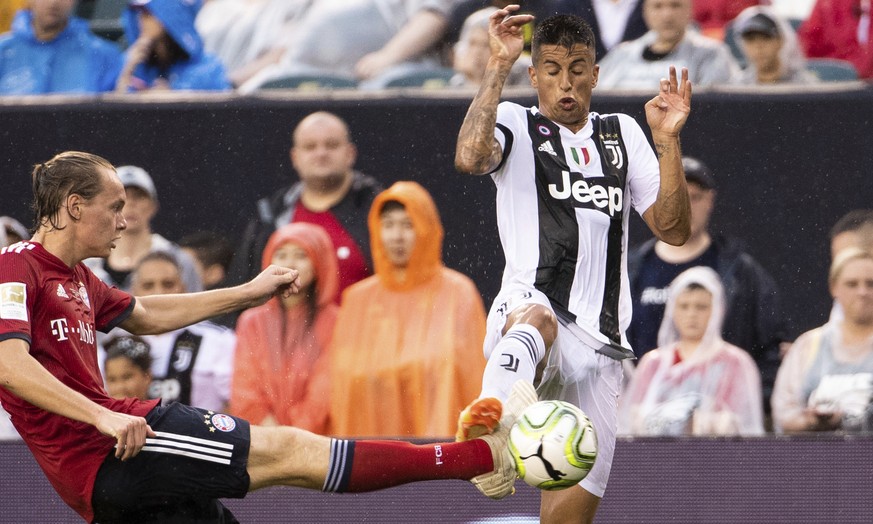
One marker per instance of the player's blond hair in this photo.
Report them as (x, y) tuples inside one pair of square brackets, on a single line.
[(67, 173)]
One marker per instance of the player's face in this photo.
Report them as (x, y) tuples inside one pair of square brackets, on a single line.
[(292, 256), (322, 154), (702, 201), (667, 18), (691, 314), (157, 277), (564, 80), (853, 289), (101, 220), (139, 210), (125, 380), (398, 236), (51, 15), (762, 50)]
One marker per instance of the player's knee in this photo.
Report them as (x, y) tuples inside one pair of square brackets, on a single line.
[(538, 316)]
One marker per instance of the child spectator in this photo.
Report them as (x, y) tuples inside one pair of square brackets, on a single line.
[(695, 383), (128, 367), (281, 364)]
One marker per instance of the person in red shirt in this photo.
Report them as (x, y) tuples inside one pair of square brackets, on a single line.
[(330, 194), (127, 460), (840, 29)]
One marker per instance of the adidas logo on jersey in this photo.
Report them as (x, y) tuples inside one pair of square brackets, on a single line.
[(587, 193), (546, 147), (61, 292)]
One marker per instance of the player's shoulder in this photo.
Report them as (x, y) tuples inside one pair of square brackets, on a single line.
[(624, 120), (628, 125), (511, 111), (18, 248), (19, 255)]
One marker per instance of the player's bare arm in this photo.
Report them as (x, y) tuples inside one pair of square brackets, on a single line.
[(26, 378), (669, 217), (477, 151), (161, 313)]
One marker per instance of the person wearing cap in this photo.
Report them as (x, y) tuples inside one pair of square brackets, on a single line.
[(671, 41), (166, 52), (753, 319), (48, 50), (770, 47), (138, 239)]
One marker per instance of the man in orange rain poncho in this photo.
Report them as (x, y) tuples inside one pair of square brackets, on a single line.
[(407, 349)]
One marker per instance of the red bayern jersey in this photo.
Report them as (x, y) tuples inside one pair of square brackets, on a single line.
[(57, 310)]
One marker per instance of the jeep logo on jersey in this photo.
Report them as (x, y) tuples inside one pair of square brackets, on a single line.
[(589, 194)]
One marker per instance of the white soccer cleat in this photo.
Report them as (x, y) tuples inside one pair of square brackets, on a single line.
[(501, 482)]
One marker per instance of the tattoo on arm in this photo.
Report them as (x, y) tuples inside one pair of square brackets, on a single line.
[(662, 149), (477, 150)]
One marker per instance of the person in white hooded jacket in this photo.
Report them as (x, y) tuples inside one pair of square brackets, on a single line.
[(695, 383)]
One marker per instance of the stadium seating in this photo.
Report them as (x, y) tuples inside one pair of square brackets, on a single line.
[(104, 17), (429, 79), (832, 69), (310, 82)]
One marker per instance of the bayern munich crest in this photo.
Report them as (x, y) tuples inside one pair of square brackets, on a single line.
[(223, 422)]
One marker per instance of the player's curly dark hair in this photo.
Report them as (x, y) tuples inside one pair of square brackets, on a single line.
[(564, 31), (67, 173)]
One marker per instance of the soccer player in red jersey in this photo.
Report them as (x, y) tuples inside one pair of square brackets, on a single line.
[(128, 460)]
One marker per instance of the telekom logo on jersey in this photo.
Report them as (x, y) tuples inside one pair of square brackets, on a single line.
[(62, 331), (607, 198)]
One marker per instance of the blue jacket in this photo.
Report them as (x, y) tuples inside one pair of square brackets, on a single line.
[(200, 71), (76, 61)]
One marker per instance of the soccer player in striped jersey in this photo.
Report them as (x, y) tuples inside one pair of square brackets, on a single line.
[(566, 180), (128, 460)]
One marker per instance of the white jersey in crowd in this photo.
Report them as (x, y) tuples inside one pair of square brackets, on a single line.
[(563, 202), (202, 367), (202, 353)]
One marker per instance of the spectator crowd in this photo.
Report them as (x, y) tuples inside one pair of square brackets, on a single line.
[(242, 45), (379, 318)]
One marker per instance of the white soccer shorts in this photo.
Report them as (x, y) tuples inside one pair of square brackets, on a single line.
[(575, 373)]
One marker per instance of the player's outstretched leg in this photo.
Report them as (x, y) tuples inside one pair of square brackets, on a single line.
[(500, 482), (293, 457)]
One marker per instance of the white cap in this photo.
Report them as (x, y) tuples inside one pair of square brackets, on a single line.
[(133, 176)]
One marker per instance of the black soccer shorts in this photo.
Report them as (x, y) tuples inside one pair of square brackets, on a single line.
[(197, 457)]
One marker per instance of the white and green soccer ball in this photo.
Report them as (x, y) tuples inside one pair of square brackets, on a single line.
[(553, 444)]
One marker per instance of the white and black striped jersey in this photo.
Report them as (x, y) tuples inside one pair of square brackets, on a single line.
[(563, 202)]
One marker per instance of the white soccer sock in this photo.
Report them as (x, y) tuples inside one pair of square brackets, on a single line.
[(514, 358)]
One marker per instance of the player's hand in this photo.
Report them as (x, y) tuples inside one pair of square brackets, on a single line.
[(273, 281), (667, 112), (128, 431), (505, 35)]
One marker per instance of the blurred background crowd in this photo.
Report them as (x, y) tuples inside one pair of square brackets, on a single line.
[(384, 339), (131, 46)]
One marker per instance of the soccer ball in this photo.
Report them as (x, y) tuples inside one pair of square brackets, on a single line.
[(553, 445)]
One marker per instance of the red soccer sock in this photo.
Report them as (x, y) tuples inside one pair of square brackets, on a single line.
[(379, 464)]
